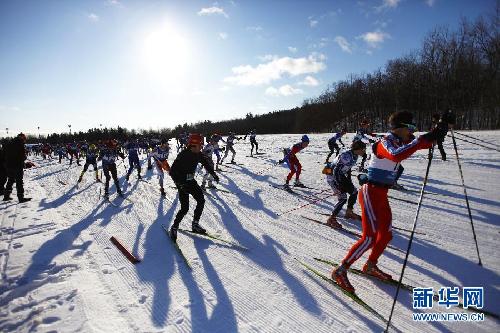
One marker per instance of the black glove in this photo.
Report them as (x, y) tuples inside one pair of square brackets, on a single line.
[(362, 179), (438, 133), (371, 141), (180, 186), (216, 178)]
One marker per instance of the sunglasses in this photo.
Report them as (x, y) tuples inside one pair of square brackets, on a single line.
[(411, 127)]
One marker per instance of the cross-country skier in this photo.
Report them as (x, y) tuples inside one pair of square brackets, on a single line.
[(61, 152), (217, 150), (15, 155), (294, 164), (133, 158), (375, 209), (182, 173), (435, 121), (160, 157), (73, 151), (364, 134), (229, 146), (90, 159), (332, 144), (286, 153), (109, 155), (339, 179), (208, 150), (253, 141)]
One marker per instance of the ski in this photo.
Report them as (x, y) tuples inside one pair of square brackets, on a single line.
[(217, 189), (281, 187), (211, 236), (108, 200), (393, 227), (403, 285), (353, 296), (343, 229), (177, 248)]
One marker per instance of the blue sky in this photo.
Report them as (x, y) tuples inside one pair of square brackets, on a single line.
[(154, 64)]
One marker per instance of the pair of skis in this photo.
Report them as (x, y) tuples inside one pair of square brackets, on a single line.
[(206, 236)]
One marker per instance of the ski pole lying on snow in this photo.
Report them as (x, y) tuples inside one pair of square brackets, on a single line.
[(471, 137), (307, 204), (466, 197), (424, 184)]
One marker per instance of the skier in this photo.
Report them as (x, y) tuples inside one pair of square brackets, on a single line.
[(216, 138), (182, 173), (229, 147), (61, 152), (364, 134), (133, 158), (208, 150), (109, 156), (253, 142), (339, 179), (435, 121), (3, 171), (332, 144), (294, 164), (15, 155), (90, 159), (286, 153), (160, 156), (375, 209), (73, 151)]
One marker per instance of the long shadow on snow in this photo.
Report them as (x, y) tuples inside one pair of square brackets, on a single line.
[(266, 256), (62, 242), (44, 204)]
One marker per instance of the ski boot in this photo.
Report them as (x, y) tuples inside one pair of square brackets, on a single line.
[(172, 233), (333, 223), (120, 193), (23, 199), (397, 187), (232, 162), (372, 269), (6, 197), (298, 183), (139, 176), (162, 191), (339, 275), (349, 214), (286, 186), (127, 177), (79, 179), (197, 229)]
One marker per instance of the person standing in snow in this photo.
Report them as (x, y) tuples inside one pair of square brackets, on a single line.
[(253, 142), (229, 146), (294, 164), (160, 157), (216, 138), (15, 155), (333, 146), (435, 121), (208, 150), (109, 155), (182, 173), (364, 134), (90, 159), (339, 179), (375, 210), (132, 148)]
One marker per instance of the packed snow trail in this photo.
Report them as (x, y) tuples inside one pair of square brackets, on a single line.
[(60, 272)]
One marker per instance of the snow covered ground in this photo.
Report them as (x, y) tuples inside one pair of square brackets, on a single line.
[(61, 273)]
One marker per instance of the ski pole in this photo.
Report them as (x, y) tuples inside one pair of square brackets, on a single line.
[(471, 137), (302, 206), (424, 184), (466, 197), (477, 144)]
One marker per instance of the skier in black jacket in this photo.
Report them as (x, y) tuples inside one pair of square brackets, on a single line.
[(15, 155), (182, 172)]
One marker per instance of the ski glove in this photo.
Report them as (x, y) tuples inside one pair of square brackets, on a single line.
[(438, 133)]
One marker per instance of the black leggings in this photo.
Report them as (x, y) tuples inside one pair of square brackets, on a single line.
[(334, 147), (190, 187), (253, 142), (111, 169)]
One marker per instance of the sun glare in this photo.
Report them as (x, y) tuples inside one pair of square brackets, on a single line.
[(166, 55)]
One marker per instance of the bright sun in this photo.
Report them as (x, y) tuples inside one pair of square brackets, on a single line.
[(166, 55)]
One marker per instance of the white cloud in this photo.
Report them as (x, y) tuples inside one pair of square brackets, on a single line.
[(343, 44), (254, 28), (93, 17), (114, 3), (374, 38), (274, 69), (267, 57), (313, 23), (292, 49), (212, 11), (387, 4), (223, 35), (430, 3), (309, 81), (286, 90)]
